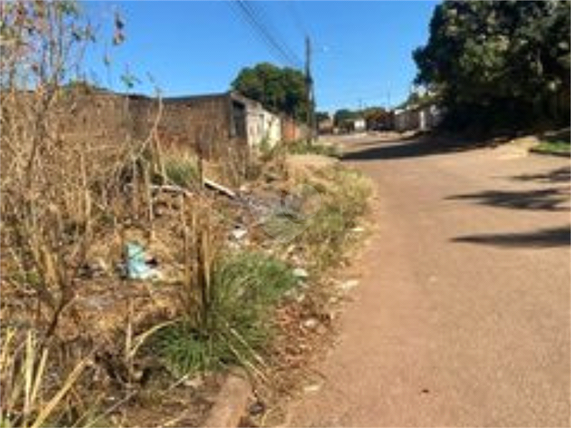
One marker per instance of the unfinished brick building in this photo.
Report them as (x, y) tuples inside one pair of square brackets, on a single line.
[(212, 125), (215, 125)]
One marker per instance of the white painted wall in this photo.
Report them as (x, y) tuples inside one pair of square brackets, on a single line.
[(262, 125), (360, 125), (421, 119), (272, 128)]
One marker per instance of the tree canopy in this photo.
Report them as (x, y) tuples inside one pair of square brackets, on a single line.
[(278, 89), (498, 63), (321, 116), (343, 115)]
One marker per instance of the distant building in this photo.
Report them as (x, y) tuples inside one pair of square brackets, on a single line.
[(325, 126), (359, 125), (417, 118), (429, 117), (353, 125)]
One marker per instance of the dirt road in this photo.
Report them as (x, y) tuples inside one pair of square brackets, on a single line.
[(462, 316)]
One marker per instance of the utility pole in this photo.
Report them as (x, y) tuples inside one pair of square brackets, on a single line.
[(389, 99), (310, 96)]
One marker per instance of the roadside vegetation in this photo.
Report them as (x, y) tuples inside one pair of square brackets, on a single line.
[(553, 147), (236, 325), (467, 65), (181, 168), (344, 198), (128, 282), (557, 143), (301, 147)]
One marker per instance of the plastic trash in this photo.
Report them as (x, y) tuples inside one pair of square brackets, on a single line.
[(137, 265), (239, 233)]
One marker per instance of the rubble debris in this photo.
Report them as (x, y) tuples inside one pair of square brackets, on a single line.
[(97, 268), (257, 408), (239, 233), (223, 189), (348, 285), (310, 323), (312, 388), (300, 273), (195, 382), (167, 188)]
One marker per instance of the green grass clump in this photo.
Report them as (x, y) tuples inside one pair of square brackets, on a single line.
[(244, 289), (344, 197), (557, 147), (302, 147), (181, 171)]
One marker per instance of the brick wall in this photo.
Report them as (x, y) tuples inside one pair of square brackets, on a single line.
[(208, 124), (203, 124), (292, 130)]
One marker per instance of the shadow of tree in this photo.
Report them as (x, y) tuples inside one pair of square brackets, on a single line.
[(558, 175), (545, 199), (543, 238), (418, 146)]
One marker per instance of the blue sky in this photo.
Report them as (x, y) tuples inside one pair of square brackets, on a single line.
[(362, 48)]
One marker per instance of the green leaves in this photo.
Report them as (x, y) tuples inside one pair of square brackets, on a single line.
[(494, 53), (281, 90)]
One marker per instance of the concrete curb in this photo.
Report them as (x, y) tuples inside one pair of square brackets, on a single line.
[(231, 403)]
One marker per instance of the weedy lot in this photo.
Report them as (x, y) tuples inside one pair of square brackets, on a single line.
[(130, 287), (136, 273)]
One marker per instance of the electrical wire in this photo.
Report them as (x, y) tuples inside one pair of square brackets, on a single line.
[(298, 21), (253, 17), (259, 12)]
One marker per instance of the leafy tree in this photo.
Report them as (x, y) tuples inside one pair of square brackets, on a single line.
[(498, 63), (343, 118), (376, 118), (278, 89), (343, 115), (322, 115)]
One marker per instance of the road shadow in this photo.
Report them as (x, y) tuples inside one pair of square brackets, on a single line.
[(552, 199), (542, 238), (558, 175), (415, 147)]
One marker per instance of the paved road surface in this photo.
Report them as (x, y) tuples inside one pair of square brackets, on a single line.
[(462, 317)]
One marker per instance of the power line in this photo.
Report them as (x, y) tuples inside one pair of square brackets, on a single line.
[(245, 15), (298, 21), (259, 11), (254, 18)]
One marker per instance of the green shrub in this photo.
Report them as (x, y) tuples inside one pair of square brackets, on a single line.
[(344, 195), (182, 171), (557, 147), (301, 147), (244, 288)]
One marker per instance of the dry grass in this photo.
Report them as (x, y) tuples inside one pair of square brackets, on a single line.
[(72, 196), (29, 400), (75, 330)]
